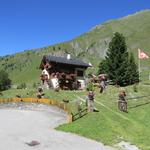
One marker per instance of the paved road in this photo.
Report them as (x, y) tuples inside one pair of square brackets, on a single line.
[(21, 124)]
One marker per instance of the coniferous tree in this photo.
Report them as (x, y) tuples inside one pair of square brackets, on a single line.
[(4, 80), (117, 60), (119, 66), (132, 71), (102, 67)]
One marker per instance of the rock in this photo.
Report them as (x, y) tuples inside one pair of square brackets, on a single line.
[(127, 146), (18, 96), (65, 100), (33, 143)]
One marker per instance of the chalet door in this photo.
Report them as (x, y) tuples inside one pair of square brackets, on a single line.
[(80, 73)]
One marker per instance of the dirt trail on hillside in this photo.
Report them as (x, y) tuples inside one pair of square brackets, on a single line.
[(23, 123)]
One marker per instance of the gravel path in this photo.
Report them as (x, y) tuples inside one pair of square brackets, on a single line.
[(23, 123)]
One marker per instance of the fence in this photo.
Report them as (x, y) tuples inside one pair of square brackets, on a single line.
[(80, 114), (61, 105)]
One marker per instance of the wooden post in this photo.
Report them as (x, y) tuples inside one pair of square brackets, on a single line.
[(70, 118)]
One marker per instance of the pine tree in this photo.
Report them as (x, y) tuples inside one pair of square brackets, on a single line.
[(4, 80), (118, 65), (102, 67), (117, 60), (132, 71)]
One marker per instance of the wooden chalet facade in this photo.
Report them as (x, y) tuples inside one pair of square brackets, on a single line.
[(63, 72)]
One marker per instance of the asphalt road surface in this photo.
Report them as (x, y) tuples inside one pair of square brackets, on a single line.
[(22, 125)]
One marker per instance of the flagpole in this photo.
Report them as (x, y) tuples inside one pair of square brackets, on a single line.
[(139, 63)]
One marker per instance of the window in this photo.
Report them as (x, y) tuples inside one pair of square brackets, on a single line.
[(80, 73)]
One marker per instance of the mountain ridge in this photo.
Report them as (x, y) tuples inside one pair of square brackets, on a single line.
[(91, 47)]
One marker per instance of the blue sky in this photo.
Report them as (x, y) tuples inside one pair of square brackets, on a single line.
[(28, 24)]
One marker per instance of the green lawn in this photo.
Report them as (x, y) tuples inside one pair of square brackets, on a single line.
[(109, 125)]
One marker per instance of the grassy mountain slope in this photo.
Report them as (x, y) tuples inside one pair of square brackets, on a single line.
[(91, 47)]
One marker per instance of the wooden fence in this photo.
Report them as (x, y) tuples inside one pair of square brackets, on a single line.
[(80, 114), (59, 104)]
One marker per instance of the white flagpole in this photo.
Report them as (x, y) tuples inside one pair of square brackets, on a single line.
[(139, 63)]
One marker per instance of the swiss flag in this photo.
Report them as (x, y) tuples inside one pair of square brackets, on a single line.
[(142, 55)]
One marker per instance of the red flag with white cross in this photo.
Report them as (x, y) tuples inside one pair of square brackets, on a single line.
[(142, 55)]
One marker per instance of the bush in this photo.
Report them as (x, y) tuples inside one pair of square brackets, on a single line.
[(34, 85), (5, 82), (135, 89), (22, 86), (90, 87)]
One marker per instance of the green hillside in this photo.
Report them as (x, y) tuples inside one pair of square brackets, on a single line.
[(91, 47)]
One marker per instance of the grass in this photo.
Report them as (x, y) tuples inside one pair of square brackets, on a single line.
[(109, 125)]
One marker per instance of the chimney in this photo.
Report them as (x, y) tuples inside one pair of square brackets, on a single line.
[(90, 64), (68, 56)]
